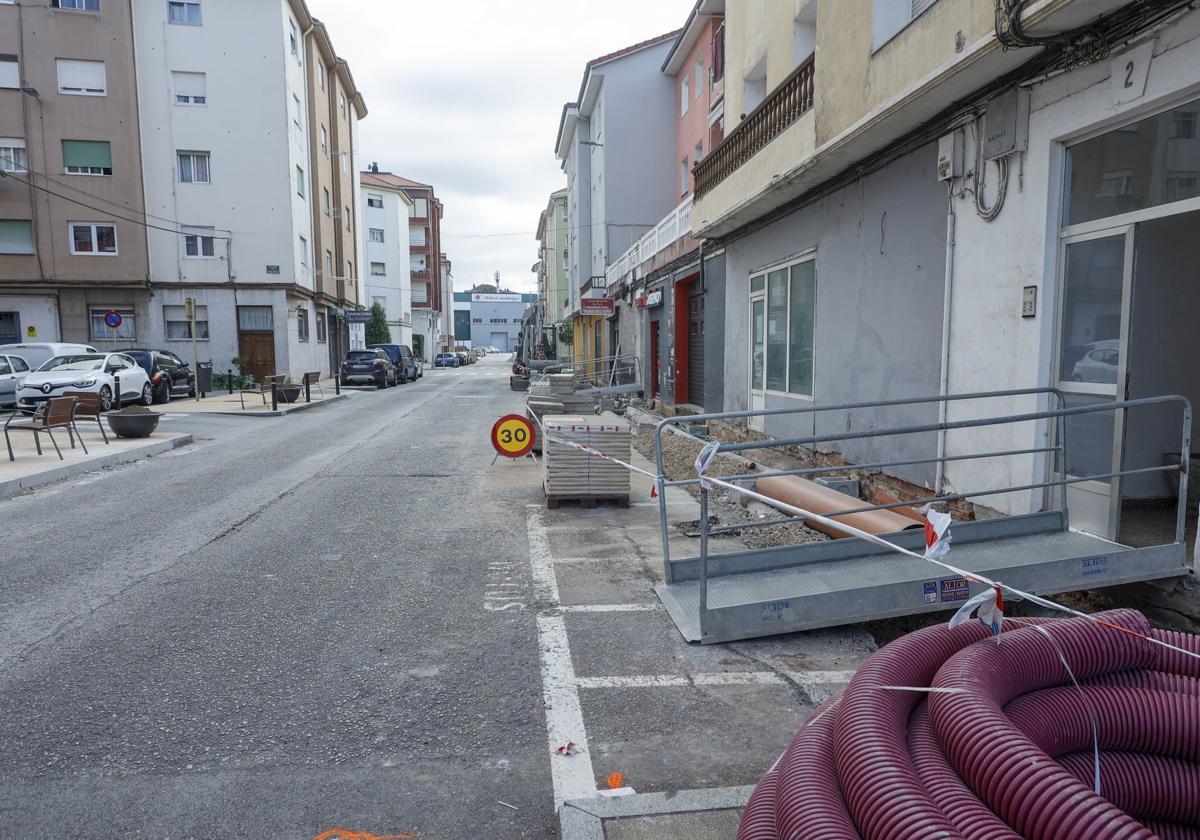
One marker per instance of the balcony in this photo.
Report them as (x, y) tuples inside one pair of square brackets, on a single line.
[(790, 100), (661, 238)]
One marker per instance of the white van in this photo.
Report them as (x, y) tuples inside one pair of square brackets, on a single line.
[(36, 354)]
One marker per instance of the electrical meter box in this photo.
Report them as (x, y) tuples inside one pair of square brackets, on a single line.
[(1006, 124), (950, 156)]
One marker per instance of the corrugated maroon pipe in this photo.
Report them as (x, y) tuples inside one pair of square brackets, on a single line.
[(1002, 746)]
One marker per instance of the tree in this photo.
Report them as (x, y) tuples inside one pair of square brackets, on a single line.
[(377, 328)]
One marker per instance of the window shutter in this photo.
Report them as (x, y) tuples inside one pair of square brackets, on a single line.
[(87, 153), (16, 236), (189, 84), (82, 75), (919, 6)]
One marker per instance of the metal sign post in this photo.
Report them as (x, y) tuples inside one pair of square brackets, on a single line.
[(189, 305), (113, 320)]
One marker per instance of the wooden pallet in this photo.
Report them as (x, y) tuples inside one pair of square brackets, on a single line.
[(587, 502)]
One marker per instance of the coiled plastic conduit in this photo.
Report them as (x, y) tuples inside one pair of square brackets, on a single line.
[(946, 733)]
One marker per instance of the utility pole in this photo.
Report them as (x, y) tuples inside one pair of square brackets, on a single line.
[(189, 306)]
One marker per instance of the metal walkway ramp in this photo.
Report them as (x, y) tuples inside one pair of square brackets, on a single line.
[(746, 594)]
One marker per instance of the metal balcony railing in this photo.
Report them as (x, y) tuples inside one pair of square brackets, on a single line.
[(785, 104), (676, 225)]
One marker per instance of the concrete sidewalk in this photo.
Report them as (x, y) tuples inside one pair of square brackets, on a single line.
[(711, 814), (255, 406), (31, 470)]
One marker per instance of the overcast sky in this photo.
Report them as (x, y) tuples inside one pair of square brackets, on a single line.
[(466, 95)]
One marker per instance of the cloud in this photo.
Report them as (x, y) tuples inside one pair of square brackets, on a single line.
[(466, 95)]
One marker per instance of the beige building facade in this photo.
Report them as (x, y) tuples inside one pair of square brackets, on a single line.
[(72, 221)]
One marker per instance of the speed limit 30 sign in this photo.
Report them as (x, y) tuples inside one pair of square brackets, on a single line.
[(512, 436)]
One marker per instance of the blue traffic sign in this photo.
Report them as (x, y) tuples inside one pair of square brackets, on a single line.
[(112, 319)]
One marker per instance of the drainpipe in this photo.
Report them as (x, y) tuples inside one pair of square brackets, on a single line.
[(947, 300)]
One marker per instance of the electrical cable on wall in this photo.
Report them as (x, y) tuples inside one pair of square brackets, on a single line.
[(979, 180)]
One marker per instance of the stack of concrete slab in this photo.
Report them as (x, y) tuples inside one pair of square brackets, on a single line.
[(570, 473), (555, 394)]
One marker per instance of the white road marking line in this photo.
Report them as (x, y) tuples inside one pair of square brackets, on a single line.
[(541, 561), (603, 608), (572, 775), (506, 588), (723, 678)]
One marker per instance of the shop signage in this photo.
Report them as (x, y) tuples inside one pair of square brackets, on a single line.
[(596, 306), (495, 298), (649, 299), (358, 316)]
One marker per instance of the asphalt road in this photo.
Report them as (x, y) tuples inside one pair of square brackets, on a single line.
[(276, 632)]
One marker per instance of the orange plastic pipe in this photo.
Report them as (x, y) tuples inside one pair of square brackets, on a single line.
[(802, 493)]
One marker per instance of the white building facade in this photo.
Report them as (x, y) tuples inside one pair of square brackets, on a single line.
[(224, 102), (384, 238)]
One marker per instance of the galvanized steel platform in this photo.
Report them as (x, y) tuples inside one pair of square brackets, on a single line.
[(781, 590)]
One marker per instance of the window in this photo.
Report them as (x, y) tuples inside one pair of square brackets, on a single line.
[(256, 318), (194, 167), (382, 301), (303, 248), (91, 238), (375, 201), (421, 208), (891, 16), (324, 141), (376, 234), (10, 73), (346, 213), (300, 182), (75, 5), (81, 78), (683, 176), (698, 152), (296, 110), (294, 38), (325, 200), (1154, 152), (302, 324), (349, 270), (476, 320), (790, 319), (329, 265), (321, 83), (199, 244), (322, 327), (416, 235), (87, 157), (188, 13), (100, 331), (13, 156), (180, 328), (342, 103), (16, 236), (345, 163), (684, 96), (378, 269), (698, 75), (190, 88)]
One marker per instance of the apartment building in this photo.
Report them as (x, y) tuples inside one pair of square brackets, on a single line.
[(428, 268), (554, 285), (249, 126), (72, 219), (956, 196), (678, 303), (385, 212), (616, 145)]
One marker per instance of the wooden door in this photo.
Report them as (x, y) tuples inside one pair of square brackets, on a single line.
[(259, 348)]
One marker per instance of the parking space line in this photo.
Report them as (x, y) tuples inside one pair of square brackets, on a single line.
[(648, 606), (678, 680)]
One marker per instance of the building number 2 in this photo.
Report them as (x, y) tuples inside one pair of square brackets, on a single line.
[(1129, 74), (509, 435)]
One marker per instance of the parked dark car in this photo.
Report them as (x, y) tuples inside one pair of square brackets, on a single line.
[(445, 360), (463, 361), (368, 366), (170, 376), (402, 357)]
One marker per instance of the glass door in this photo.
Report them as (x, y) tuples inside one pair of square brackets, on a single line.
[(1097, 271), (758, 351)]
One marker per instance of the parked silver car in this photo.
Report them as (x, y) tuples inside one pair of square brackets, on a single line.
[(12, 373)]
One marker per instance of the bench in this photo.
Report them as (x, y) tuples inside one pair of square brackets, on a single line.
[(54, 413), (87, 406), (261, 389), (312, 379)]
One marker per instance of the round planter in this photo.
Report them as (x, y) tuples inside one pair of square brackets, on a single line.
[(288, 393), (133, 425)]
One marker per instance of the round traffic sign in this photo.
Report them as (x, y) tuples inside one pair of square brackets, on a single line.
[(512, 436), (112, 319)]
